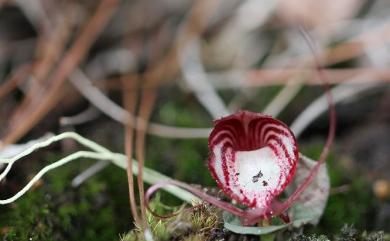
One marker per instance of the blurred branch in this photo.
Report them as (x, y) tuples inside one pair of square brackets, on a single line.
[(192, 27), (16, 78), (354, 47), (81, 82), (89, 172), (197, 80), (52, 94), (86, 115), (35, 12), (277, 76), (283, 98), (267, 77), (316, 108)]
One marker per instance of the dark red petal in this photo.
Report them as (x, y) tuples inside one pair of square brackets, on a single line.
[(253, 157)]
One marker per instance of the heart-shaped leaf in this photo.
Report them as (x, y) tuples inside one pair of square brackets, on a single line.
[(312, 202)]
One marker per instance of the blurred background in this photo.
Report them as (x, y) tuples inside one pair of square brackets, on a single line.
[(173, 66)]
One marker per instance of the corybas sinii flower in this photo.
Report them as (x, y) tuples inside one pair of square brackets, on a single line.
[(253, 157)]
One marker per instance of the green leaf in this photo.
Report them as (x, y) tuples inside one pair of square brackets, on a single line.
[(233, 223)]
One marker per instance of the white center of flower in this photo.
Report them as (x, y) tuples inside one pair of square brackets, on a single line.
[(258, 170)]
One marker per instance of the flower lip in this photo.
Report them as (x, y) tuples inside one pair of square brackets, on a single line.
[(242, 120), (253, 157)]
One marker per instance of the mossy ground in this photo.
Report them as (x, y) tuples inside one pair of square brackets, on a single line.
[(99, 209)]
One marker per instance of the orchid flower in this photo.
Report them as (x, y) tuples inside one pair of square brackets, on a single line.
[(253, 157)]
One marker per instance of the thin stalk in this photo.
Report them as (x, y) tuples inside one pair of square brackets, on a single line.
[(146, 106), (331, 134), (205, 197), (130, 100)]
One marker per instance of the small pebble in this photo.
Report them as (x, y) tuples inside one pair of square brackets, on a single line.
[(381, 189)]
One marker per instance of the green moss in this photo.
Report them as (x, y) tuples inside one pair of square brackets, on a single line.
[(347, 233), (99, 209), (341, 208), (55, 211), (312, 237), (183, 110), (31, 223), (199, 223)]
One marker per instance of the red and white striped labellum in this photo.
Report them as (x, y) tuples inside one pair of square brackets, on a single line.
[(253, 157)]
